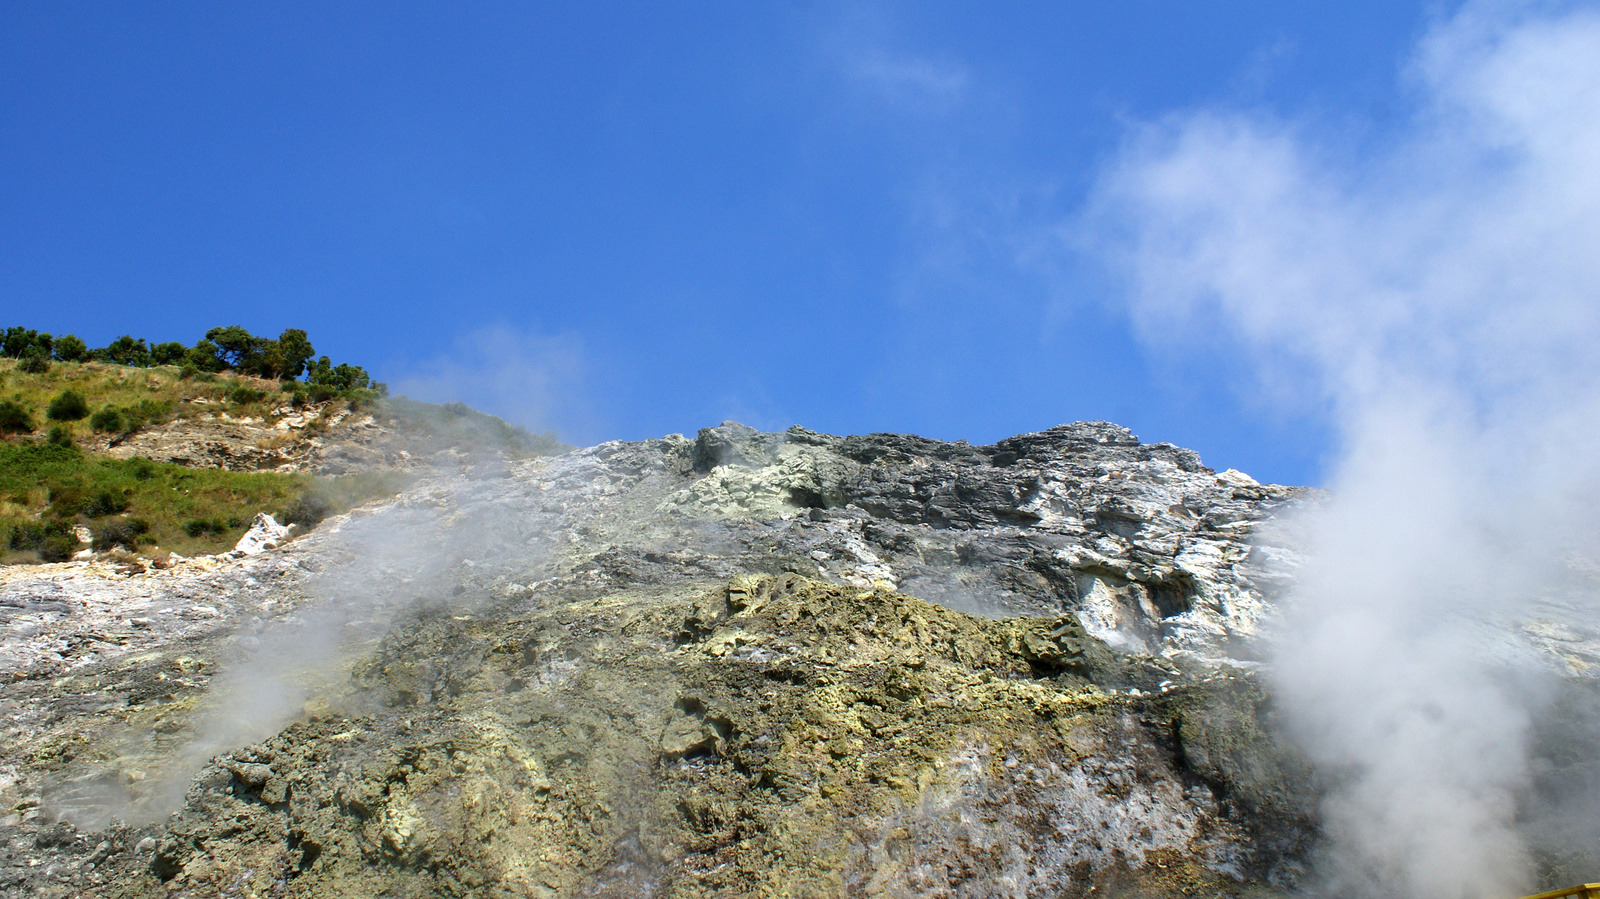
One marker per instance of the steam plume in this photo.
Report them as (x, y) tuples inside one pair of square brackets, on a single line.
[(534, 381), (1439, 293)]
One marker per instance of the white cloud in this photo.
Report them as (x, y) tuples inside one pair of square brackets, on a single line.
[(864, 45), (910, 82), (1441, 288)]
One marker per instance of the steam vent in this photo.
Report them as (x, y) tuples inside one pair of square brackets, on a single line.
[(744, 664)]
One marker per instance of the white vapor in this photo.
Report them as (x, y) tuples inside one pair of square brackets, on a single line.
[(534, 381), (1440, 293)]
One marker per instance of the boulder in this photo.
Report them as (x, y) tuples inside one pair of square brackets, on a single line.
[(265, 533)]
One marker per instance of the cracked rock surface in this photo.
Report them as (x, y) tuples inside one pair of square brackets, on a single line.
[(740, 664)]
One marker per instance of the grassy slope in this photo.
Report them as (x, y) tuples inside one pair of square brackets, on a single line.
[(105, 384), (50, 489), (45, 484)]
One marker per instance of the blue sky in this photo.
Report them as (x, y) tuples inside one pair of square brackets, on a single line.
[(625, 220)]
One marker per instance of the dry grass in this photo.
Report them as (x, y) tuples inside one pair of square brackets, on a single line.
[(274, 441), (104, 384)]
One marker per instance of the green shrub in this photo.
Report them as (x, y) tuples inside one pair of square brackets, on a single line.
[(105, 502), (14, 419), (60, 435), (16, 342), (340, 378), (147, 412), (125, 350), (245, 395), (69, 405), (54, 541), (307, 511), (66, 502), (170, 353), (58, 548), (199, 527), (366, 397), (107, 420), (28, 534), (71, 348), (126, 532), (35, 362), (129, 419)]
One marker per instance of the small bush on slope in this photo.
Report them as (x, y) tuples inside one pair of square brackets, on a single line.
[(14, 419), (36, 362), (69, 405), (107, 420)]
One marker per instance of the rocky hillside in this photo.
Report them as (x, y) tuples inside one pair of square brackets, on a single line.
[(238, 422), (741, 664), (100, 458)]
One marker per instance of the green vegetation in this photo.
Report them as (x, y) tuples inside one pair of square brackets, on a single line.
[(69, 405), (129, 384), (17, 342), (108, 419), (14, 418), (52, 485), (71, 349), (34, 362), (114, 399), (50, 541), (200, 527), (245, 395), (122, 400), (230, 348), (47, 491)]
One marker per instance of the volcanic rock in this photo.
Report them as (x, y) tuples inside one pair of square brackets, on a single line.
[(740, 664), (265, 533)]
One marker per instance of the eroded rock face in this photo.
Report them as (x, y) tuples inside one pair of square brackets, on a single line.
[(778, 736), (742, 664), (322, 438), (1145, 543), (326, 438)]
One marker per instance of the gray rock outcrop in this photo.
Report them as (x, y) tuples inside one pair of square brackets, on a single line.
[(744, 663)]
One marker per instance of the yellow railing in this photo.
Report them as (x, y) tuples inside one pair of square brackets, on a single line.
[(1581, 891)]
